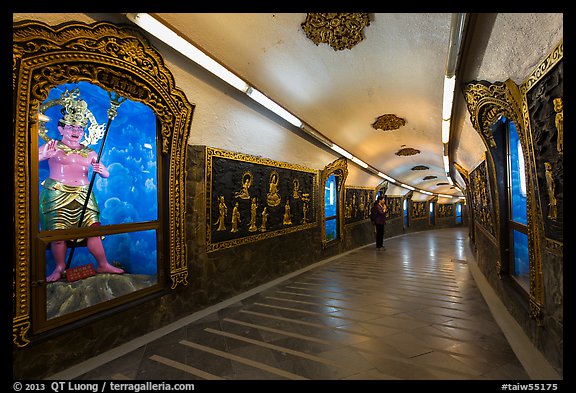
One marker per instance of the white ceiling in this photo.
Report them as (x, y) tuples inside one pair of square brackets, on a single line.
[(398, 68)]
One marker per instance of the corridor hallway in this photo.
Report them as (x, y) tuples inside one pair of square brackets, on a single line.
[(416, 311)]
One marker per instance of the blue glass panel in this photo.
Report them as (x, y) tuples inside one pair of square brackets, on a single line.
[(130, 193), (517, 177), (521, 259), (330, 197), (405, 207), (458, 213), (331, 233)]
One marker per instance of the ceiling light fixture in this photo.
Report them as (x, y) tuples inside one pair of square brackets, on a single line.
[(274, 107), (169, 37), (456, 36)]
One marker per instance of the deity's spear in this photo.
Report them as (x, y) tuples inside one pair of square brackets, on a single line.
[(112, 112)]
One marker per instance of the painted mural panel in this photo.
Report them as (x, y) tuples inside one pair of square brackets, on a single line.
[(251, 198), (94, 172)]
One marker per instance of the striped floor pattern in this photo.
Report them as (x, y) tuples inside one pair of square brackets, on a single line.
[(411, 312)]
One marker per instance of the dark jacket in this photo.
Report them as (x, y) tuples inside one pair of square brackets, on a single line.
[(380, 214)]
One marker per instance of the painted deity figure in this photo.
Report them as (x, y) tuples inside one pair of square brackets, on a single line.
[(65, 190)]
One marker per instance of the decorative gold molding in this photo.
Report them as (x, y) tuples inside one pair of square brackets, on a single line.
[(543, 68), (338, 168), (339, 30), (487, 102), (463, 173), (388, 122), (116, 58)]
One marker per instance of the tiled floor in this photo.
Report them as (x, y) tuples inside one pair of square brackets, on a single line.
[(411, 312)]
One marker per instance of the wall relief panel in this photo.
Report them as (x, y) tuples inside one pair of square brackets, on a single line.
[(445, 210), (251, 198), (418, 210), (544, 115), (481, 198), (394, 204), (358, 203)]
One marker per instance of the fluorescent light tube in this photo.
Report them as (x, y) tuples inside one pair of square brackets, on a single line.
[(341, 151), (360, 162), (274, 107), (163, 33)]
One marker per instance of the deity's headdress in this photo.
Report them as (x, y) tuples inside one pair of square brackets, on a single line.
[(74, 112)]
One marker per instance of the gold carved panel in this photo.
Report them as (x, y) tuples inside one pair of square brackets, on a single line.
[(251, 198), (339, 30)]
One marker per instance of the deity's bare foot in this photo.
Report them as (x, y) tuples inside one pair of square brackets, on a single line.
[(55, 276), (107, 268)]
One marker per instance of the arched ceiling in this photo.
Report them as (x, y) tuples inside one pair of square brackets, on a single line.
[(394, 73), (396, 70)]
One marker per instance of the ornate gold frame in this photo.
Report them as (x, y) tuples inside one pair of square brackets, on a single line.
[(114, 57), (536, 227), (339, 168), (486, 102)]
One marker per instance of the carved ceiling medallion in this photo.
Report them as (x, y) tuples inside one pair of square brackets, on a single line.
[(388, 122), (339, 30), (407, 151)]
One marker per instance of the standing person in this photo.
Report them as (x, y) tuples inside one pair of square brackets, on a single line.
[(379, 210), (65, 190)]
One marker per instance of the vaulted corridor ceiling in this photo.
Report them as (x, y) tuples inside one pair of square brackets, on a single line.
[(373, 84)]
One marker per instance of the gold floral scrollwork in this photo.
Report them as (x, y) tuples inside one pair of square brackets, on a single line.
[(339, 30), (388, 122), (487, 102), (407, 151), (19, 333)]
